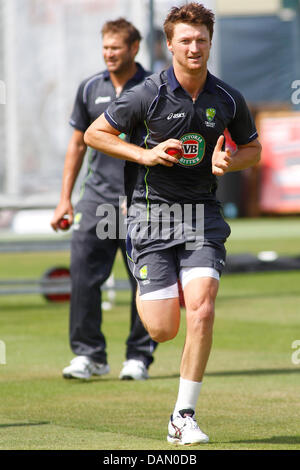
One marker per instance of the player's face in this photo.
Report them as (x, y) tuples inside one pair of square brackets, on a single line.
[(190, 46), (117, 55)]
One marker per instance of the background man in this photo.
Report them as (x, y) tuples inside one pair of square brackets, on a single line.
[(187, 109), (91, 258)]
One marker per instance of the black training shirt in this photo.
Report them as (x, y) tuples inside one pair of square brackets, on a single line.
[(159, 109)]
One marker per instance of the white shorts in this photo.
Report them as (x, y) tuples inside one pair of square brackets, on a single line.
[(185, 276)]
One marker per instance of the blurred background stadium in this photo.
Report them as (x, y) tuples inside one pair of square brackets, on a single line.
[(48, 46)]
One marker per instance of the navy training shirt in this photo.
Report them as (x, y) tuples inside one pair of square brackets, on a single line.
[(160, 109), (104, 181)]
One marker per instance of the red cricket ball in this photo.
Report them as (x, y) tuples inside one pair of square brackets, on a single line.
[(64, 224), (173, 152)]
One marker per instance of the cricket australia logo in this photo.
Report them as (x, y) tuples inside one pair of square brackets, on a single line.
[(193, 146), (210, 115), (77, 220), (144, 272)]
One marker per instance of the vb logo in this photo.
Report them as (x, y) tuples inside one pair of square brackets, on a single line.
[(193, 146), (190, 149)]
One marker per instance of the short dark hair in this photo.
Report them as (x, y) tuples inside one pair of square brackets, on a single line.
[(191, 13), (131, 33)]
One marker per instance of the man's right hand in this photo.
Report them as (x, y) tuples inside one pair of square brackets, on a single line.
[(158, 155), (63, 208)]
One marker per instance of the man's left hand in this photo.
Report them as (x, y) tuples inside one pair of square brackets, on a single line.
[(221, 160)]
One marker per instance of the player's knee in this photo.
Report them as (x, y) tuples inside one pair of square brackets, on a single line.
[(162, 334), (201, 316)]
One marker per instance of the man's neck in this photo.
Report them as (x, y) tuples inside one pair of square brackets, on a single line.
[(193, 83), (120, 79)]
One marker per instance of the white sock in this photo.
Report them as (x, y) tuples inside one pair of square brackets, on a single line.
[(188, 395)]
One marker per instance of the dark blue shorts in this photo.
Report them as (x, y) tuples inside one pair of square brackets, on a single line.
[(156, 263)]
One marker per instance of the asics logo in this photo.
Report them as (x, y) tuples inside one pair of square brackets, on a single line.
[(175, 116), (102, 99)]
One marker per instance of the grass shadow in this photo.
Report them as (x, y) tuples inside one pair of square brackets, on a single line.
[(116, 379), (272, 440), (11, 425), (253, 372)]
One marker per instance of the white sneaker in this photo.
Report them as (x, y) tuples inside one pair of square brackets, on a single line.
[(133, 370), (81, 367), (183, 429)]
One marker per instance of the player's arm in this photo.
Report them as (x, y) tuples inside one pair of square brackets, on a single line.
[(245, 157), (73, 162), (104, 138)]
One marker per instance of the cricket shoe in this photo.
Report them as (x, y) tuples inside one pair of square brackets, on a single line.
[(82, 367), (184, 430), (133, 369)]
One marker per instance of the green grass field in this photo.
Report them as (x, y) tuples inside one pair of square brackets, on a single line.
[(250, 396)]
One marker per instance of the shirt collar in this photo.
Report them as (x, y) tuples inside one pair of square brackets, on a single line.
[(174, 83), (138, 76), (140, 73)]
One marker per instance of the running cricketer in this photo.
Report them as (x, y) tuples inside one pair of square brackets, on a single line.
[(184, 108)]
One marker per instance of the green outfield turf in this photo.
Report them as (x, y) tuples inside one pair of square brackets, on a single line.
[(250, 395)]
